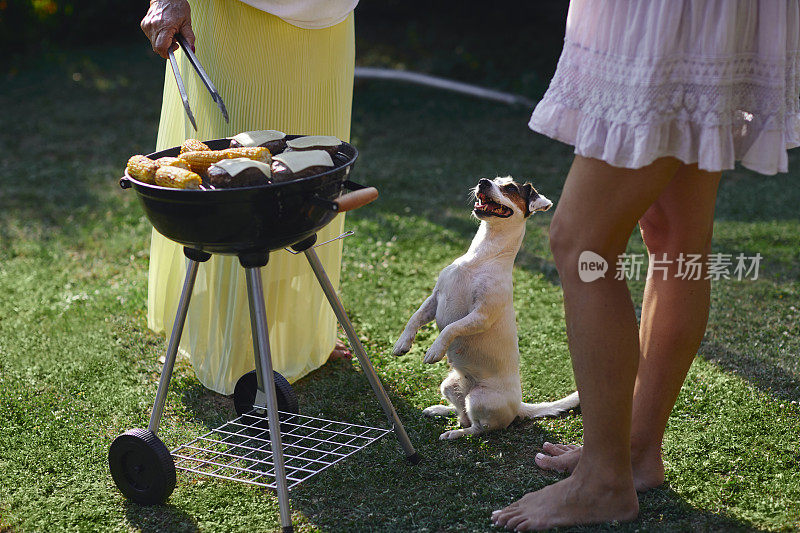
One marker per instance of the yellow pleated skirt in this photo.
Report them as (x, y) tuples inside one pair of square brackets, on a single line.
[(272, 76)]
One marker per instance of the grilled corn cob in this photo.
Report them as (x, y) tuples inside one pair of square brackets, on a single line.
[(142, 168), (199, 161), (172, 162), (177, 178), (256, 153), (193, 145)]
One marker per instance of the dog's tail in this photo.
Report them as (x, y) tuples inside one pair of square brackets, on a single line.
[(538, 410)]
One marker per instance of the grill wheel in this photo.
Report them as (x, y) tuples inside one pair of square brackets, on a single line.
[(244, 394), (142, 467)]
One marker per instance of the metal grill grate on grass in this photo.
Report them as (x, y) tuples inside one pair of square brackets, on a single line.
[(241, 450)]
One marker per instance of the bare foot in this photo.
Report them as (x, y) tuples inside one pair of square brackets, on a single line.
[(648, 468), (570, 502), (340, 351)]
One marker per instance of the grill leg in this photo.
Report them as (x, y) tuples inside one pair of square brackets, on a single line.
[(172, 346), (258, 323), (366, 365)]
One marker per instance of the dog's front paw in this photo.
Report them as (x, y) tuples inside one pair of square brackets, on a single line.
[(436, 352), (434, 355), (403, 345)]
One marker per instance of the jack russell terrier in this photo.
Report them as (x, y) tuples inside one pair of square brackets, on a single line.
[(473, 308)]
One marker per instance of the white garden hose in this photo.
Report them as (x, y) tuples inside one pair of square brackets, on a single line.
[(373, 73)]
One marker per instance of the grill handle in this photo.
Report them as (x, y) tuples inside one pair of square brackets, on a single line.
[(125, 182), (356, 199), (361, 196)]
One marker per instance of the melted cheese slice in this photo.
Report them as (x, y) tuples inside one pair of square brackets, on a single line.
[(310, 141), (257, 138), (297, 161), (235, 166)]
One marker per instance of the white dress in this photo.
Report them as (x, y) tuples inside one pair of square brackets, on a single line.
[(708, 82), (307, 14)]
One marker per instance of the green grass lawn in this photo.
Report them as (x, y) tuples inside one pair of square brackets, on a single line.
[(78, 365)]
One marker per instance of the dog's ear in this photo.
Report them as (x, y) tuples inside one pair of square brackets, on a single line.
[(541, 203), (534, 200)]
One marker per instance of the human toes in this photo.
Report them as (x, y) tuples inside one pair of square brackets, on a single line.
[(559, 449), (502, 516), (554, 463), (514, 518)]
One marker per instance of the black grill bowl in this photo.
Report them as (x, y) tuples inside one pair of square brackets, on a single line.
[(248, 219)]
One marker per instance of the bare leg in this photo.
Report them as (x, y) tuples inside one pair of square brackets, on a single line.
[(674, 317), (674, 312), (598, 210)]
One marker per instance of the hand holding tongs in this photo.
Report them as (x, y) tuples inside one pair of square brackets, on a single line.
[(200, 72)]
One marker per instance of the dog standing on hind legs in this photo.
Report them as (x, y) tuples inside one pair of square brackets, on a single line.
[(473, 307)]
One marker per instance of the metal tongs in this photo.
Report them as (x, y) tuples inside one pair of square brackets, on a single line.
[(201, 73)]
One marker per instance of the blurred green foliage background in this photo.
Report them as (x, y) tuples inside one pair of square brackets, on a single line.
[(512, 45), (29, 28)]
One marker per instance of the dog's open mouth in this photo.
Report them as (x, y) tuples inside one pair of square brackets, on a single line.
[(484, 206)]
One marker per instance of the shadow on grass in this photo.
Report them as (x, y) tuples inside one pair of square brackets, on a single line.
[(205, 406), (159, 518), (63, 165), (768, 378), (378, 481), (377, 489), (473, 488), (664, 504)]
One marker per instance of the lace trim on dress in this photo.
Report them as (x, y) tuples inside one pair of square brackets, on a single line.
[(710, 111)]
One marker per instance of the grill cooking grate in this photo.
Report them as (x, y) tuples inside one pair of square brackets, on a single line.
[(240, 450)]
